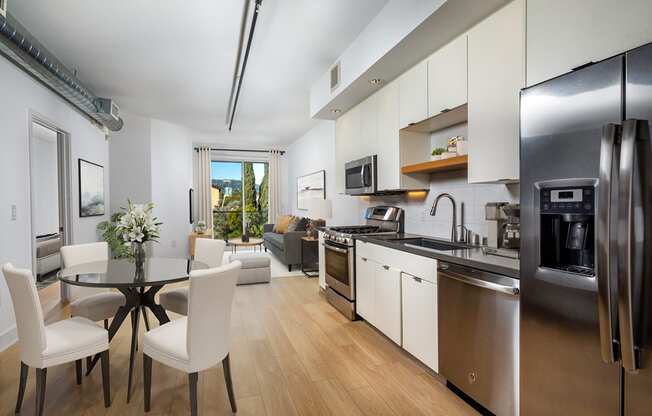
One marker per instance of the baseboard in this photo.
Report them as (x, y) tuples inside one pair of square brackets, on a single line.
[(8, 338)]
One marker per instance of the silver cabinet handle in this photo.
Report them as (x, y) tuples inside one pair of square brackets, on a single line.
[(385, 267), (627, 256), (364, 258), (417, 279), (604, 252)]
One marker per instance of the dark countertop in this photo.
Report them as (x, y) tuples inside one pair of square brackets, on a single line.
[(471, 256)]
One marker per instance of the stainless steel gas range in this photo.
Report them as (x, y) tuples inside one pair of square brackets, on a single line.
[(339, 244)]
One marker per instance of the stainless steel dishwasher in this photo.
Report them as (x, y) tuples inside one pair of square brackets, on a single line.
[(478, 335)]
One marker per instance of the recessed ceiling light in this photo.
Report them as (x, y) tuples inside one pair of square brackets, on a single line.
[(375, 81), (336, 111)]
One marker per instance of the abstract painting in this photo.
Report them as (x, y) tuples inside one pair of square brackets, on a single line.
[(91, 189)]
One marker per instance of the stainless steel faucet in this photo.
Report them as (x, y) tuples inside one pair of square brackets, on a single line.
[(433, 211)]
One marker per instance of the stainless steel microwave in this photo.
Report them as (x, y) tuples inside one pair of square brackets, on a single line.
[(361, 176)]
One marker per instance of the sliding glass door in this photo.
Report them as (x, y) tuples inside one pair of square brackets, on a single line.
[(239, 195)]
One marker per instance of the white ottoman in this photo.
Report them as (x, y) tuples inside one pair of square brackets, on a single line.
[(255, 268)]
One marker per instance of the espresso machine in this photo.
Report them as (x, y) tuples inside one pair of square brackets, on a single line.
[(511, 229)]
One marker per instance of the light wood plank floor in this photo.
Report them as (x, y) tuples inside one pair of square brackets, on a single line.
[(291, 354)]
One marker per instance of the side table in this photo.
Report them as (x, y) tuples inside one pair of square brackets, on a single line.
[(310, 256)]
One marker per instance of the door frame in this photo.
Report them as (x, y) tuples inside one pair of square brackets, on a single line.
[(65, 183)]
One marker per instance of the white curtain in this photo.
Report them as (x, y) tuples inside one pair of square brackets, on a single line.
[(204, 207), (274, 185)]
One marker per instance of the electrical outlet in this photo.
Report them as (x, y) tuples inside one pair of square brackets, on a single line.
[(13, 212)]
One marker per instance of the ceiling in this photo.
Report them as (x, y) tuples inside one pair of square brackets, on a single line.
[(173, 59)]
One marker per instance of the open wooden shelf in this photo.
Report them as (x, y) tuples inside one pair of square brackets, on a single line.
[(433, 166)]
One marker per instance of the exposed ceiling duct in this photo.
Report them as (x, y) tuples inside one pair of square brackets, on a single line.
[(21, 48)]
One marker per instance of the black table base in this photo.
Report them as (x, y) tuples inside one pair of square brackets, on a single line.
[(137, 300)]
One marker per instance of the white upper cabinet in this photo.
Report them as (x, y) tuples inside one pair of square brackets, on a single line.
[(496, 67), (347, 134), (388, 138), (413, 91), (562, 35), (367, 142), (447, 76)]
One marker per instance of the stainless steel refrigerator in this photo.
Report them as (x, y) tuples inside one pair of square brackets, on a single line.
[(586, 241)]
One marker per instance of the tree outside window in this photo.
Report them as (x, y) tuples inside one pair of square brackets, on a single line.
[(239, 197)]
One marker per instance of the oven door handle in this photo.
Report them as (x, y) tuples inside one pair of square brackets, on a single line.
[(335, 249)]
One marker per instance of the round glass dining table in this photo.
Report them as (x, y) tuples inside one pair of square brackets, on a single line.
[(138, 284)]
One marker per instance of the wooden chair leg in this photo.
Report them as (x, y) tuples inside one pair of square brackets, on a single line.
[(147, 379), (106, 324), (145, 318), (226, 365), (192, 383), (78, 371), (41, 376), (89, 361), (24, 370), (106, 378)]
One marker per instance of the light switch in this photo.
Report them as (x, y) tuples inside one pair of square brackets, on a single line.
[(13, 212)]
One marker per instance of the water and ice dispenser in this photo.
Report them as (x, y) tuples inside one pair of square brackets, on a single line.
[(567, 218)]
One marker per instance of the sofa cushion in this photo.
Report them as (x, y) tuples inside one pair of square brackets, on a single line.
[(282, 224), (275, 239), (298, 224)]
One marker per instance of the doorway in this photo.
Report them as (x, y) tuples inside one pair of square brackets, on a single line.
[(49, 150)]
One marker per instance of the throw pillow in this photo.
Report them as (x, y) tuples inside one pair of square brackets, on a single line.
[(282, 224), (298, 224)]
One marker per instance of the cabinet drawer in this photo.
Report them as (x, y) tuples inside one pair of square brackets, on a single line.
[(419, 266)]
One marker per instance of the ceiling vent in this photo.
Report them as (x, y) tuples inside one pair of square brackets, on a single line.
[(109, 107), (335, 76), (3, 7)]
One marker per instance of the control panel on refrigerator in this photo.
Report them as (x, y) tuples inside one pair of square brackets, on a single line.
[(567, 218)]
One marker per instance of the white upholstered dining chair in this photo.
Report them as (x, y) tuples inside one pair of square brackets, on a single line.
[(201, 340), (43, 346), (99, 306), (208, 251)]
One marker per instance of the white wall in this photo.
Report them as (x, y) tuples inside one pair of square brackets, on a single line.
[(131, 172), (45, 180), (316, 150), (172, 177), (20, 95)]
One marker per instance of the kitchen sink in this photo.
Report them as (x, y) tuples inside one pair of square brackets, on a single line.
[(430, 244)]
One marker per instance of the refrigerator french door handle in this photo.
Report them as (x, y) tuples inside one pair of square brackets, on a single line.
[(610, 134), (626, 238)]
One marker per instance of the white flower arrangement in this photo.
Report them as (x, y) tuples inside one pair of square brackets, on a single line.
[(137, 224)]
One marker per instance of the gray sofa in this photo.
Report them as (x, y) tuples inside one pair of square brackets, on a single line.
[(286, 247)]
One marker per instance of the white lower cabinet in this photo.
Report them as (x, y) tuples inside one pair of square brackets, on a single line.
[(387, 312), (365, 276), (398, 304), (322, 262), (420, 319)]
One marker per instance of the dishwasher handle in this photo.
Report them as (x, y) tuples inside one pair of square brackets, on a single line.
[(485, 280)]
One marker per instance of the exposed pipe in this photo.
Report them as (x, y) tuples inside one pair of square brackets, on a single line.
[(246, 58), (21, 48), (236, 69)]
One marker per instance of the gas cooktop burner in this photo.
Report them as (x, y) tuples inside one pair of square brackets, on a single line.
[(361, 229)]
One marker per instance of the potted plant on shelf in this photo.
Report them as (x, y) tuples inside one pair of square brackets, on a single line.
[(437, 153)]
